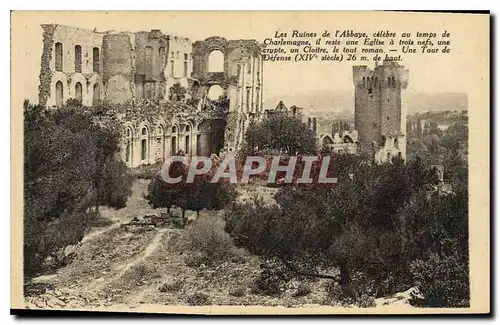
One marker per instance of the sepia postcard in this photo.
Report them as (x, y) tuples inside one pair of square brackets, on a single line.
[(250, 162)]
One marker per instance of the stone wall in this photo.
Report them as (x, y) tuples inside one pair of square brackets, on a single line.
[(378, 111)]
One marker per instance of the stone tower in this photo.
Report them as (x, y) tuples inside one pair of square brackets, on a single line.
[(379, 116)]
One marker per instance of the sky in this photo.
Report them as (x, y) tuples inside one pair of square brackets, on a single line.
[(452, 72)]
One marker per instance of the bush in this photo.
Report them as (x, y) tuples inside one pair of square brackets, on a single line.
[(443, 281), (238, 292), (208, 242), (302, 290), (172, 286), (69, 169), (198, 299), (272, 279), (360, 292)]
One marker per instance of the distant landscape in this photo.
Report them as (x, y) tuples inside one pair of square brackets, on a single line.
[(339, 104)]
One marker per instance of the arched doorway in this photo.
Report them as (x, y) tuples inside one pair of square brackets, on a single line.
[(211, 137), (59, 94), (96, 95), (78, 92), (327, 142), (173, 141)]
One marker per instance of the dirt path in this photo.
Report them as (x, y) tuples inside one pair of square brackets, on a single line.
[(123, 264)]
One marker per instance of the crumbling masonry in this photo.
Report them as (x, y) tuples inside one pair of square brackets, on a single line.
[(138, 69)]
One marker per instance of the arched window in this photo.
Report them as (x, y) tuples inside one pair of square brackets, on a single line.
[(78, 58), (96, 59), (59, 94), (78, 92), (96, 95), (185, 65), (144, 143), (173, 140), (160, 143), (216, 61), (129, 147), (59, 57)]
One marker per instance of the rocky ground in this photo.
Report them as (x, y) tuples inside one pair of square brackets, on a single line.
[(133, 257)]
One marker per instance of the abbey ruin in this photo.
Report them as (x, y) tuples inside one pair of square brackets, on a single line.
[(173, 95), (217, 84)]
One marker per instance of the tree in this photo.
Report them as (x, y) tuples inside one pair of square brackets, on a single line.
[(283, 133), (69, 168), (196, 196), (354, 225), (456, 136)]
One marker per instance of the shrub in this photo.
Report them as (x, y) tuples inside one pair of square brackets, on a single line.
[(172, 286), (302, 290), (198, 299), (443, 281), (238, 292), (272, 279), (208, 241), (360, 293)]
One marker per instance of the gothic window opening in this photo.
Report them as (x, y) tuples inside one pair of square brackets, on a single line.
[(59, 57), (144, 144), (172, 68), (128, 149), (78, 58)]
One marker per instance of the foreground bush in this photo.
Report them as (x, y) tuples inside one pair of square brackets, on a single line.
[(359, 293), (443, 281), (69, 170), (207, 242), (375, 221)]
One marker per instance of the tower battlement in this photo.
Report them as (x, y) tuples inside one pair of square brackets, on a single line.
[(389, 74)]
